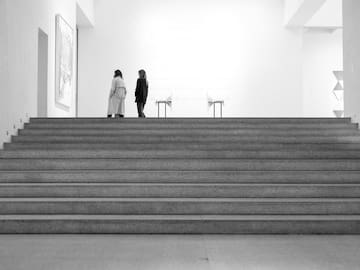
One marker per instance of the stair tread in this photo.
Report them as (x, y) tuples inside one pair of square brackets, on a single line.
[(286, 150), (169, 172), (196, 200), (191, 119), (137, 184), (182, 159), (181, 154), (124, 152), (184, 217)]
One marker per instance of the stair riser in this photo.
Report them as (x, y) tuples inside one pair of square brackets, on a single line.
[(178, 146), (179, 165), (179, 208), (186, 139), (194, 126), (256, 177), (186, 132), (171, 191), (178, 227), (71, 154)]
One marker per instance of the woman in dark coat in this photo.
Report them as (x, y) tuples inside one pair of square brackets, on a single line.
[(141, 93)]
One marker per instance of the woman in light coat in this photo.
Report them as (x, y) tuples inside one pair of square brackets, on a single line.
[(117, 96)]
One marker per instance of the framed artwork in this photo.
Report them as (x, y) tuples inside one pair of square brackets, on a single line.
[(64, 63)]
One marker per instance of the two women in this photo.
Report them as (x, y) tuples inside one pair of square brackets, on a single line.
[(118, 94)]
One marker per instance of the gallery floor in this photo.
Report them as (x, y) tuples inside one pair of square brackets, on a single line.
[(179, 252)]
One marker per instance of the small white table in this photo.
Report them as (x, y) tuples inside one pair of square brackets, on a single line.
[(221, 103), (166, 103)]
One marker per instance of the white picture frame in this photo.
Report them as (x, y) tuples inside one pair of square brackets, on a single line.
[(64, 63)]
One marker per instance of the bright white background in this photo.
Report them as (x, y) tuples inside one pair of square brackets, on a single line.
[(237, 50)]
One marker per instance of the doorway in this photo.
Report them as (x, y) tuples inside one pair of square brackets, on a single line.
[(43, 51)]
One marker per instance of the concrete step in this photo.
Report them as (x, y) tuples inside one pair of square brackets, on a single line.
[(177, 206), (194, 190), (182, 176), (188, 132), (179, 224), (182, 154), (181, 164), (201, 146), (193, 120), (166, 177), (127, 139)]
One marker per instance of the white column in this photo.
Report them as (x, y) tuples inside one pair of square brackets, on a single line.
[(351, 17)]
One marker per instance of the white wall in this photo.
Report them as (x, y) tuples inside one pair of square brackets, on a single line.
[(20, 21), (291, 7), (233, 49), (237, 50), (322, 54), (351, 11), (3, 70), (19, 92)]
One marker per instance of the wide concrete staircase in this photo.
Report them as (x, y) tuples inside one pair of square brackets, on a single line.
[(182, 176)]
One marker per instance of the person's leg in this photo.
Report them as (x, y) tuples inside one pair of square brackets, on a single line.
[(139, 109), (143, 107), (121, 108)]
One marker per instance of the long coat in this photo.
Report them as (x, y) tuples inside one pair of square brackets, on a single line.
[(117, 97), (142, 89)]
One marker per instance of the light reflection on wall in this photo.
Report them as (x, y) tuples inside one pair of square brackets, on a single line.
[(237, 50)]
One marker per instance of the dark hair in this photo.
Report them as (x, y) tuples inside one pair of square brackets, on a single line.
[(142, 74), (118, 73)]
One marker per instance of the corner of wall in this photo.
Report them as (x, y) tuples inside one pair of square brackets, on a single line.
[(85, 13)]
